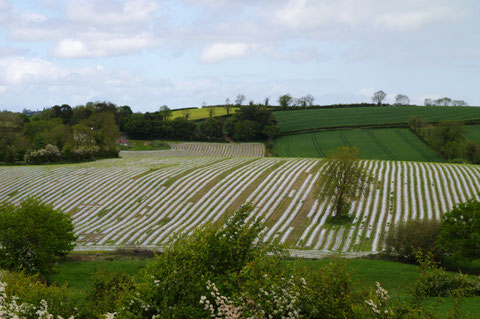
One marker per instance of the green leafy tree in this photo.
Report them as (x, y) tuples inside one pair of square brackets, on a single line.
[(459, 233), (165, 111), (343, 180), (285, 100), (34, 236)]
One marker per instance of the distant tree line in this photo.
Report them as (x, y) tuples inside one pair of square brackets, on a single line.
[(62, 133), (250, 122), (448, 138)]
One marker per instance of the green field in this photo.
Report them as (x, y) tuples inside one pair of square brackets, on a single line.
[(383, 144), (298, 120), (199, 114), (473, 133)]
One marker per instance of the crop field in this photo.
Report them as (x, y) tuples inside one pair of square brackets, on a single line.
[(298, 120), (143, 200), (473, 133), (383, 144), (203, 149), (199, 114)]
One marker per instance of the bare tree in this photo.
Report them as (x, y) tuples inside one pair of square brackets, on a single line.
[(459, 103), (211, 111), (227, 105), (240, 99), (378, 97), (309, 99), (428, 102), (186, 114), (267, 100), (402, 99)]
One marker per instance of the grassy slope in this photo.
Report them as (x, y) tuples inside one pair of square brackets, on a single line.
[(317, 118), (198, 114), (144, 145), (395, 277), (473, 133), (384, 144)]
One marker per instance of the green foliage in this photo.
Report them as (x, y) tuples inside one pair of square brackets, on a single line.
[(31, 290), (105, 292), (251, 122), (460, 231), (406, 238), (343, 179), (174, 282), (33, 237)]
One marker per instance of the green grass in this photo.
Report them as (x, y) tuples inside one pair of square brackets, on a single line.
[(203, 113), (75, 274), (298, 120), (144, 145), (473, 133), (382, 144)]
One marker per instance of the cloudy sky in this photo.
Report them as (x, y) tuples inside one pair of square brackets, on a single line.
[(146, 53)]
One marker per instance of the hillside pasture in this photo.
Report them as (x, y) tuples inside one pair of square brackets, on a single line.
[(203, 113), (298, 120), (383, 144), (142, 201)]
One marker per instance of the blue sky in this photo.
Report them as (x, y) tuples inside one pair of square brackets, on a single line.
[(147, 53)]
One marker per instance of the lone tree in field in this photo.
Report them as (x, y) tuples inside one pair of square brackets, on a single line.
[(402, 99), (378, 97), (343, 180)]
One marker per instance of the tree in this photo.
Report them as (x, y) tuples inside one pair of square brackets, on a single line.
[(428, 102), (378, 97), (444, 101), (228, 106), (402, 99), (211, 111), (285, 100), (186, 113), (240, 99), (166, 112), (459, 103), (343, 180), (459, 233), (308, 99), (34, 236)]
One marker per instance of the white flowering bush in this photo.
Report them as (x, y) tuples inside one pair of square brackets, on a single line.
[(50, 153)]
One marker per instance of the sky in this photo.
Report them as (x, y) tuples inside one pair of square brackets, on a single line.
[(181, 53)]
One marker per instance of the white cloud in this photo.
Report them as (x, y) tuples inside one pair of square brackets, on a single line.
[(219, 52), (21, 70), (132, 11)]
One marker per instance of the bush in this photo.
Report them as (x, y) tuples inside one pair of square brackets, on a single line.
[(49, 154), (406, 238), (33, 237), (31, 294), (459, 233)]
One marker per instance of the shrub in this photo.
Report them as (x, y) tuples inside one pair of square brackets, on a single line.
[(406, 238), (25, 295), (459, 233), (45, 155), (33, 236)]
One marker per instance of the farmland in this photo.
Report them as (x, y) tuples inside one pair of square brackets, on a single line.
[(383, 144), (298, 120), (146, 197), (203, 113), (473, 133)]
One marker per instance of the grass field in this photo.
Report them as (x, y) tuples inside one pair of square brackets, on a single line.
[(144, 145), (473, 133), (199, 114), (397, 278), (317, 118), (384, 144)]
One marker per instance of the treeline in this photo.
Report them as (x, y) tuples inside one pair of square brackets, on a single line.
[(250, 122), (62, 133), (448, 138)]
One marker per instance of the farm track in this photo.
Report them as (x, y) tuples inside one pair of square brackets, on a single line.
[(128, 202)]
